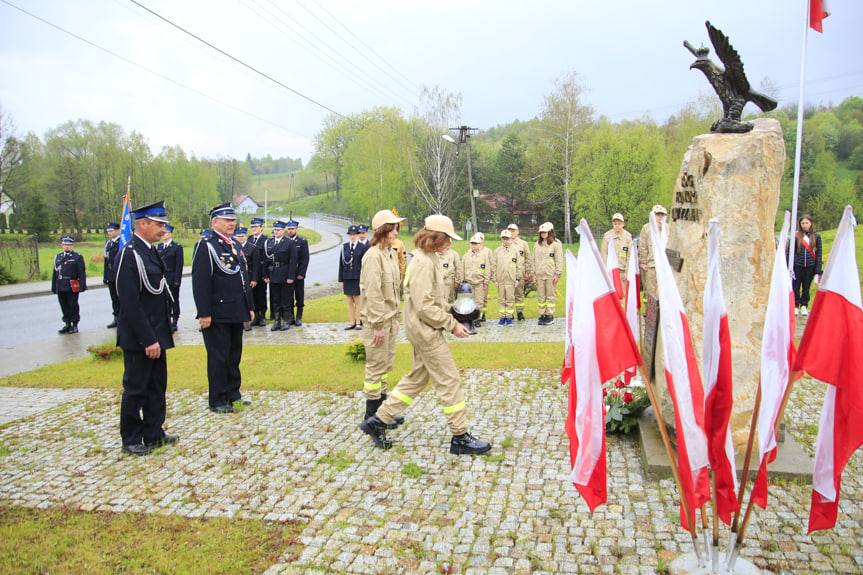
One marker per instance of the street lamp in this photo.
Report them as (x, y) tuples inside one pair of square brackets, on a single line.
[(464, 134)]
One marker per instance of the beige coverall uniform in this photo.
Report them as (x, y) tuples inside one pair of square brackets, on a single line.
[(426, 318), (508, 267), (523, 251), (547, 265), (622, 247), (379, 284), (452, 274), (645, 257), (478, 269)]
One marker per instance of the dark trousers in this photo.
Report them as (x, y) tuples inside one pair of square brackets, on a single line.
[(802, 282), (297, 296), (224, 343), (175, 304), (69, 306), (259, 294), (115, 299), (145, 381), (279, 294)]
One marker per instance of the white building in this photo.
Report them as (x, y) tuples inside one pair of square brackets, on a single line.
[(246, 205)]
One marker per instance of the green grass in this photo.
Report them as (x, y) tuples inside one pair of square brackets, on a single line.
[(63, 540), (279, 190), (187, 367)]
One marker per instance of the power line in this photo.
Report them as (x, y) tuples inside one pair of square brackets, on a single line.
[(153, 72), (237, 60)]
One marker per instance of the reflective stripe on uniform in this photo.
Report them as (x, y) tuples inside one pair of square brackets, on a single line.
[(402, 397), (453, 408), (371, 386), (384, 377)]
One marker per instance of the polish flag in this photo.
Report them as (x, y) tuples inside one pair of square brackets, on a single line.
[(684, 381), (633, 303), (566, 371), (831, 351), (612, 266), (602, 348), (818, 11), (716, 358), (777, 357)]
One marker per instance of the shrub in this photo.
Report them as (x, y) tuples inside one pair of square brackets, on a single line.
[(105, 352), (356, 351)]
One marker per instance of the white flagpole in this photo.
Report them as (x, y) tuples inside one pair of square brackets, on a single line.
[(799, 145)]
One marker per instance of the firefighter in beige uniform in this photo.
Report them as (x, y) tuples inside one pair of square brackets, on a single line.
[(452, 272), (508, 271), (622, 245), (477, 268), (426, 317), (548, 267), (523, 251), (645, 251), (379, 281)]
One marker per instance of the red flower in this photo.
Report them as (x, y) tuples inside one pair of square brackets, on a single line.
[(627, 397), (619, 383), (604, 392)]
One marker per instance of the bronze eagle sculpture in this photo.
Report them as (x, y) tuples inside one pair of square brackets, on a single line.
[(730, 84)]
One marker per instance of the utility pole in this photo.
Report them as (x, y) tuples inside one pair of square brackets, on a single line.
[(464, 134)]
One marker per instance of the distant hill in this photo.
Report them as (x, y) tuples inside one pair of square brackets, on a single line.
[(285, 188)]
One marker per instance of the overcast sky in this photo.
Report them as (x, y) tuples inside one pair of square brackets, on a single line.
[(344, 56)]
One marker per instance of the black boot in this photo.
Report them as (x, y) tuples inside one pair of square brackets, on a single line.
[(113, 323), (467, 444), (299, 321), (520, 316), (65, 328), (399, 420), (286, 322), (247, 326), (377, 429), (372, 406), (73, 328), (262, 318), (277, 322), (174, 326)]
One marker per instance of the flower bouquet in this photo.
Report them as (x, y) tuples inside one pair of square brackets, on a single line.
[(623, 404)]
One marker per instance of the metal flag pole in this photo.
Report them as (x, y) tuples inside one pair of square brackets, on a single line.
[(798, 149)]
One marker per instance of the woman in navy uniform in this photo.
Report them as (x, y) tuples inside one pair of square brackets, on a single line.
[(172, 255), (68, 280), (220, 284), (109, 273), (350, 264), (144, 333), (278, 274), (259, 292)]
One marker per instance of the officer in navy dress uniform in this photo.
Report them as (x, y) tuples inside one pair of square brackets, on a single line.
[(172, 255), (109, 273), (350, 265), (299, 265), (259, 292), (253, 264), (223, 296), (279, 275), (363, 235), (144, 333), (68, 280)]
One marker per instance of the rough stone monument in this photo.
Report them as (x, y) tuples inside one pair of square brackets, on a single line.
[(735, 178)]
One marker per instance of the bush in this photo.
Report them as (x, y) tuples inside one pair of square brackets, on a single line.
[(356, 351), (105, 352), (6, 276)]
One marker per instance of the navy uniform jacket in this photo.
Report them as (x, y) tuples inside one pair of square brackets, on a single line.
[(350, 270), (259, 243), (172, 255), (112, 248), (253, 262), (145, 317), (278, 267), (67, 267), (299, 255), (220, 281)]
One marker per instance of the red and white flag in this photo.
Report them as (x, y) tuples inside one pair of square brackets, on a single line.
[(684, 381), (831, 351), (716, 365), (633, 302), (777, 357), (602, 348), (818, 11), (566, 371), (612, 265)]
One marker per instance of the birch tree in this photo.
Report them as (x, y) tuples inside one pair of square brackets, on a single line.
[(433, 164)]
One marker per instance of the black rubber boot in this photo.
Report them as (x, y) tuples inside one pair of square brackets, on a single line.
[(277, 322), (377, 430), (467, 444), (372, 406), (286, 322), (399, 420), (299, 321)]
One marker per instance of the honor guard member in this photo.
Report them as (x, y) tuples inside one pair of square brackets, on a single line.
[(547, 268), (477, 270), (645, 251), (259, 292), (172, 255), (507, 273), (622, 241), (254, 266), (426, 318), (109, 274), (363, 234), (223, 297), (350, 264), (523, 251), (277, 273), (299, 264), (452, 274), (67, 281), (144, 333)]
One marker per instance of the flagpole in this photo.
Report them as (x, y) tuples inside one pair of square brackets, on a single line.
[(798, 150), (732, 542), (714, 555)]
